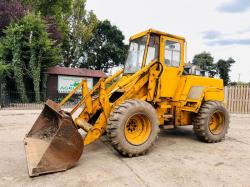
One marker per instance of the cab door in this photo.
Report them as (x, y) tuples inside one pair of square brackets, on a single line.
[(172, 58)]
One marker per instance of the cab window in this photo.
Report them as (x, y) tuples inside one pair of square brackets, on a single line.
[(153, 49), (172, 53), (135, 55)]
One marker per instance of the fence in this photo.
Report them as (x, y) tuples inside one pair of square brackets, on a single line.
[(238, 99), (11, 100)]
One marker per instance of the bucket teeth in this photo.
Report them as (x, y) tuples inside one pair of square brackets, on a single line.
[(53, 143)]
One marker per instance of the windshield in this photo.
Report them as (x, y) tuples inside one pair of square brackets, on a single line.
[(135, 55)]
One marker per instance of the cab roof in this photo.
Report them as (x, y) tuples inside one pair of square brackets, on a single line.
[(156, 32)]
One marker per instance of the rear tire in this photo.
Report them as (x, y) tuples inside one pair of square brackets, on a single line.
[(133, 127), (212, 122)]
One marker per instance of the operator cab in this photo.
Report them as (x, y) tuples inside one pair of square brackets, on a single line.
[(151, 46), (146, 47)]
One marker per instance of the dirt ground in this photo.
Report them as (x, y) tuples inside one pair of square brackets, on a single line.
[(177, 159)]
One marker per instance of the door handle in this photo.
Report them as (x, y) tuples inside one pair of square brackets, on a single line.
[(179, 73)]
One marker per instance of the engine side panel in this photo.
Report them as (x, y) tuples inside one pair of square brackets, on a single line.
[(191, 92)]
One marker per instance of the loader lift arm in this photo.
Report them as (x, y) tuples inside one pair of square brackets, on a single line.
[(132, 84)]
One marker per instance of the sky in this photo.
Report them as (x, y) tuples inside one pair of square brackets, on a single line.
[(221, 27)]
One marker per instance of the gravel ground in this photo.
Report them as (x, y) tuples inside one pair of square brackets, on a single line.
[(177, 159)]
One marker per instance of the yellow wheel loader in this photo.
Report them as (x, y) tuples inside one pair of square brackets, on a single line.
[(152, 92)]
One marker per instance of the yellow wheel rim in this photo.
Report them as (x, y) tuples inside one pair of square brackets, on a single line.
[(216, 123), (137, 129)]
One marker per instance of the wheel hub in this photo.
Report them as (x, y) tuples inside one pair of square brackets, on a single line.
[(217, 122), (137, 129), (132, 125)]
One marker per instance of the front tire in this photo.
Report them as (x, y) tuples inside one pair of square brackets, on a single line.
[(212, 122), (133, 127)]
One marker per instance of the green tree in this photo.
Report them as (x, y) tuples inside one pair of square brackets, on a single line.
[(56, 8), (224, 67), (204, 60), (29, 51), (106, 49), (12, 53), (4, 70), (75, 23), (81, 25)]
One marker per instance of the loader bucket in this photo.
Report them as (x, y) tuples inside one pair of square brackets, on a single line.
[(53, 143)]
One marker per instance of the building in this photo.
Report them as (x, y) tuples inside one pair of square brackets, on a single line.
[(62, 80), (191, 69)]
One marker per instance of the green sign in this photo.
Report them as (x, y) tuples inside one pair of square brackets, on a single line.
[(67, 83)]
